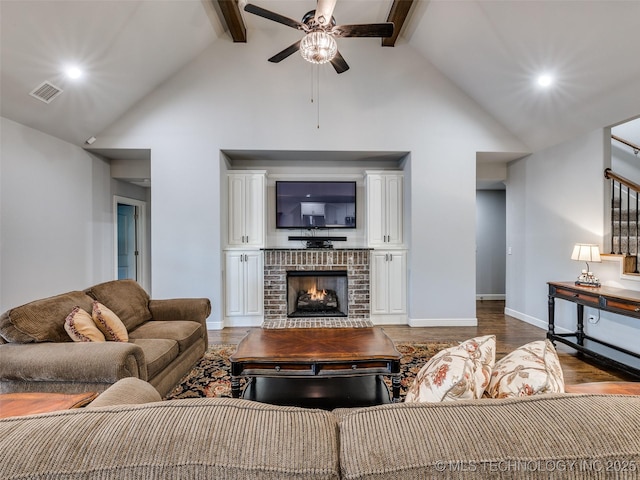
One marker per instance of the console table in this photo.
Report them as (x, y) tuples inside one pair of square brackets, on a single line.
[(608, 299)]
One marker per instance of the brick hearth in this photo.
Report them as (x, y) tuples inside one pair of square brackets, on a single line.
[(278, 261)]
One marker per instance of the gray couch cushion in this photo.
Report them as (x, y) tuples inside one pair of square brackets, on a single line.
[(529, 438), (126, 298), (158, 353), (42, 320), (185, 333), (180, 439)]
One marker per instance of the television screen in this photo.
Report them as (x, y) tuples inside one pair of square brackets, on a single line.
[(308, 205)]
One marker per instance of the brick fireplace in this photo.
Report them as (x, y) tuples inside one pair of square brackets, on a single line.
[(279, 262)]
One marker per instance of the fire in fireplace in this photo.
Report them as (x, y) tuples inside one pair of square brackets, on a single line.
[(317, 293)]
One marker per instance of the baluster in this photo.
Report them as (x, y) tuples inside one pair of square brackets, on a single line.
[(637, 236), (619, 218), (613, 211), (628, 221)]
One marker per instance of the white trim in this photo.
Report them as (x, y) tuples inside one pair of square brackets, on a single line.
[(244, 321), (389, 319), (443, 322), (536, 322), (620, 260), (142, 237), (490, 296), (214, 325)]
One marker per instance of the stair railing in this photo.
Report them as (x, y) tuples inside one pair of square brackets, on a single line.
[(624, 193)]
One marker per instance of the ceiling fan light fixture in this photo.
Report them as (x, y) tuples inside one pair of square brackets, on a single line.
[(318, 47)]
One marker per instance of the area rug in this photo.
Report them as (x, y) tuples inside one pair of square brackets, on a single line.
[(210, 377)]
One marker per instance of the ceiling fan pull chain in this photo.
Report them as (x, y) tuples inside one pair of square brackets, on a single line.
[(317, 67)]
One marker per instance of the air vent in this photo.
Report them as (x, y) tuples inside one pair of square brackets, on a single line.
[(46, 92)]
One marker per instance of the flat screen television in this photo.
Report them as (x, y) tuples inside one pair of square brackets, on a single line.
[(315, 204)]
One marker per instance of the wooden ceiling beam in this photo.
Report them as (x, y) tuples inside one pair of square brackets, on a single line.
[(233, 18), (398, 14)]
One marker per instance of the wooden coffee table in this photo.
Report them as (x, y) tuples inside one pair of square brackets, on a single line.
[(317, 367), (30, 403)]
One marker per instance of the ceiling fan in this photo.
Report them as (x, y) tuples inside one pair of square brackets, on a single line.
[(319, 45)]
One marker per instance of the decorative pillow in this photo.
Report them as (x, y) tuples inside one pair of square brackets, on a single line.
[(531, 369), (80, 327), (126, 298), (42, 320), (456, 373), (109, 323)]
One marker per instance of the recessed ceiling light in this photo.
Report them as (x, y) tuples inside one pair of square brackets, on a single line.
[(73, 72), (545, 80)]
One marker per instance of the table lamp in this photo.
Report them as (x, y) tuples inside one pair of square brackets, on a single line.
[(585, 252)]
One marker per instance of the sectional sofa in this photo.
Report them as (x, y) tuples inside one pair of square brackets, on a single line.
[(538, 437), (162, 341)]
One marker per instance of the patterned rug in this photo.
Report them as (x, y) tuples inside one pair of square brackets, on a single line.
[(210, 377)]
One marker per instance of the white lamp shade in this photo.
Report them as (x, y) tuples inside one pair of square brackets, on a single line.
[(585, 252)]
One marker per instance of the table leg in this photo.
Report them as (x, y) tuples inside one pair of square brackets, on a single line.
[(552, 312), (395, 383), (580, 331), (235, 386)]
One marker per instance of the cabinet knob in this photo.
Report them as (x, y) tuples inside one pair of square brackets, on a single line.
[(637, 309), (354, 367), (277, 368)]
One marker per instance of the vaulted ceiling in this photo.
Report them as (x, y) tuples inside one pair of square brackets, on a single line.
[(492, 50)]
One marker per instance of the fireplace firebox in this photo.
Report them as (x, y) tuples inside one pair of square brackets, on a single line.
[(318, 293)]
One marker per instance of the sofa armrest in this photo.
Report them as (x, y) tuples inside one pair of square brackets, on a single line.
[(105, 362), (191, 309), (127, 391)]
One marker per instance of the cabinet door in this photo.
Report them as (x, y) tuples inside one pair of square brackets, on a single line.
[(397, 282), (234, 283), (236, 208), (379, 283), (376, 208), (254, 210), (394, 210), (254, 272)]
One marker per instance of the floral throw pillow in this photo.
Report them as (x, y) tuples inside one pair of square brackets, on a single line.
[(531, 369), (457, 373), (109, 323), (80, 327)]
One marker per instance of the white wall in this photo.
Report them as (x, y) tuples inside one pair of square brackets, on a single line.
[(556, 198), (491, 231), (391, 100), (56, 216)]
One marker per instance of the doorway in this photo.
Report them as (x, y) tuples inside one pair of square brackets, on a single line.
[(129, 239)]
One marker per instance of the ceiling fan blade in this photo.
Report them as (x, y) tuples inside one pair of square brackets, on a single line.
[(324, 12), (261, 12), (278, 57), (363, 30), (339, 63)]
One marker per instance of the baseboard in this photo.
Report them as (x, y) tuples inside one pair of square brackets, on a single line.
[(443, 322), (246, 321), (214, 325), (400, 319), (536, 322), (490, 296)]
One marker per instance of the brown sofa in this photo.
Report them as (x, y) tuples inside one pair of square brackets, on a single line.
[(539, 437), (166, 337)]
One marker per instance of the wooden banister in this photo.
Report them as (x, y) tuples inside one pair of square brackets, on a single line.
[(635, 147), (624, 181)]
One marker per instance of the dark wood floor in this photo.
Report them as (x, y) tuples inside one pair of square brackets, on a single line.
[(510, 334)]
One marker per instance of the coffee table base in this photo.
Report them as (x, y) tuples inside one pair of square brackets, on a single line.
[(319, 392)]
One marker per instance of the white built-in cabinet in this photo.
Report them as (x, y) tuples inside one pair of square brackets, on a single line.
[(245, 226), (243, 257), (385, 209), (385, 226), (244, 284), (389, 284)]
